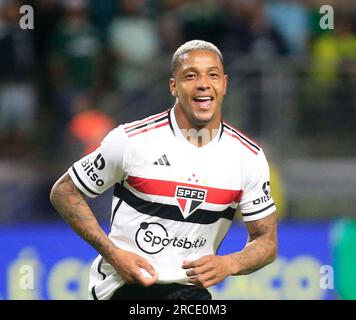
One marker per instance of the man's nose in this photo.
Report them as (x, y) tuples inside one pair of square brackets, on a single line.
[(203, 84)]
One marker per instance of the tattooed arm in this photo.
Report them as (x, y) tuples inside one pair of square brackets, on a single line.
[(71, 204), (260, 250)]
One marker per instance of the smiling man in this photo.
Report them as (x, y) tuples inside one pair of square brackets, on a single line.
[(179, 177), (199, 84)]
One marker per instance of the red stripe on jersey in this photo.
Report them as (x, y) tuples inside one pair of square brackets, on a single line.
[(236, 137), (168, 189), (156, 126), (146, 120), (248, 138)]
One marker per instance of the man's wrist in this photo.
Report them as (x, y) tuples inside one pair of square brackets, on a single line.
[(232, 264), (110, 252)]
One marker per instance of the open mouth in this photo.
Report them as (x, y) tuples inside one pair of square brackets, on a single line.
[(203, 101)]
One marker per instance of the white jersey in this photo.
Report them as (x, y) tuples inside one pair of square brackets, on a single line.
[(172, 200)]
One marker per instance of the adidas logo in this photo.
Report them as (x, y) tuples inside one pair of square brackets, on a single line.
[(162, 161)]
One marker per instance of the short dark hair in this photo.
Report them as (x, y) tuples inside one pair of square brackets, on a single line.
[(192, 46)]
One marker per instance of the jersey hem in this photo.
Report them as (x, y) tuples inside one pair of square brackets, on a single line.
[(269, 210)]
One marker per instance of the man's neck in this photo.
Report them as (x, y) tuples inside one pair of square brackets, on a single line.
[(198, 135)]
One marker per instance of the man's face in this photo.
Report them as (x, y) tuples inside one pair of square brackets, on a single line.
[(199, 85)]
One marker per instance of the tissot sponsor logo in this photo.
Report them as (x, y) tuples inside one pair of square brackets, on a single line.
[(153, 237), (189, 199), (91, 168), (267, 191)]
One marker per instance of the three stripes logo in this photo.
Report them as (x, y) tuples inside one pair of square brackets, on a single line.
[(162, 161)]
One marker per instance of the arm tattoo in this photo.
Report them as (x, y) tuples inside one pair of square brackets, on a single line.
[(261, 247), (71, 204), (258, 228)]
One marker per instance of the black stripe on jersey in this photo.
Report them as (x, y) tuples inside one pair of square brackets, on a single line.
[(99, 268), (82, 183), (114, 212), (242, 137), (93, 293), (222, 130), (148, 123), (116, 208), (218, 247), (170, 212), (170, 121), (259, 211)]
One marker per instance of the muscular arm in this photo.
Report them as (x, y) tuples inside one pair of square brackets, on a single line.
[(71, 204), (261, 248)]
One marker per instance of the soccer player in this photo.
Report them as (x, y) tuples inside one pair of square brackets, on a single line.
[(179, 177)]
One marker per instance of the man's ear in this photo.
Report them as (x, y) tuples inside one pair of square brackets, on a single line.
[(172, 87), (226, 80)]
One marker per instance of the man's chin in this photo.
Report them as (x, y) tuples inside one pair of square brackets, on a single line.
[(202, 120)]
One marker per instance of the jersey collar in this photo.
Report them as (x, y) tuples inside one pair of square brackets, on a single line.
[(179, 135)]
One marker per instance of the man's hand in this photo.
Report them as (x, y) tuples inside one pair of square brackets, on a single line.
[(129, 265), (71, 204), (260, 250), (208, 270)]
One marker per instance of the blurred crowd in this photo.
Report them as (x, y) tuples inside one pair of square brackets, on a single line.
[(88, 65)]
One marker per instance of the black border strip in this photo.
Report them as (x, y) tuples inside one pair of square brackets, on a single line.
[(170, 212), (93, 293), (242, 137), (114, 212), (82, 183), (155, 121), (99, 268), (222, 130), (170, 121), (116, 208), (255, 212)]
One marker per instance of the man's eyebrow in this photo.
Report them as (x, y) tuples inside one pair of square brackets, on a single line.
[(215, 68), (189, 69), (195, 69)]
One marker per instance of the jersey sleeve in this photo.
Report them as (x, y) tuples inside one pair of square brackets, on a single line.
[(256, 202), (99, 170)]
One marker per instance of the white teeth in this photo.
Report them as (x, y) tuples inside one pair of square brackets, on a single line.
[(203, 98)]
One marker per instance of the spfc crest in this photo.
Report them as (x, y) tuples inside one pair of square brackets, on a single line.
[(189, 199)]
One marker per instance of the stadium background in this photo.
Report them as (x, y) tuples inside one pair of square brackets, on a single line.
[(89, 65)]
